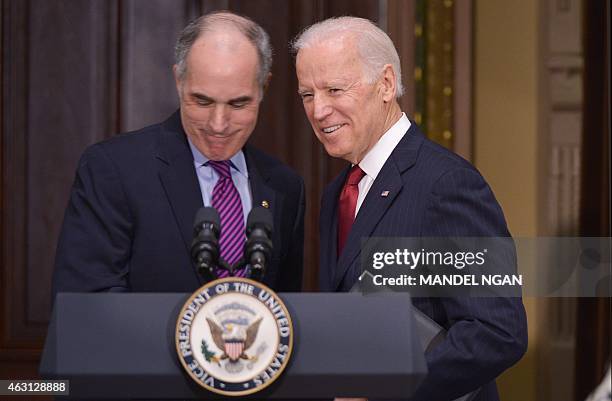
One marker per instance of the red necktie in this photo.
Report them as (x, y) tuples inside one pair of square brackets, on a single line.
[(347, 204)]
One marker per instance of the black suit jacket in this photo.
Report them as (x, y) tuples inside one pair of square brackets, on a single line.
[(129, 221), (434, 193)]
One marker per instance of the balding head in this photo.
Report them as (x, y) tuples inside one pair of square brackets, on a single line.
[(225, 29)]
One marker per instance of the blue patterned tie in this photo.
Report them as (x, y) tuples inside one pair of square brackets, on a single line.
[(226, 199)]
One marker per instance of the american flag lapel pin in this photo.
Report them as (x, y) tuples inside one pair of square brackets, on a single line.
[(384, 194)]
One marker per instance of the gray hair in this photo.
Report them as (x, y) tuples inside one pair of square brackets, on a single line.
[(374, 45), (206, 23)]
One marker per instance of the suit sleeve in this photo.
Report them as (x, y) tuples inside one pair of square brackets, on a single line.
[(293, 264), (93, 250), (485, 335)]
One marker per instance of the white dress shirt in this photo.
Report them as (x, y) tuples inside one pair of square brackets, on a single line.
[(375, 159)]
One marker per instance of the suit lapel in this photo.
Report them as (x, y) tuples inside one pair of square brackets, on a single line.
[(380, 197), (329, 232), (261, 191), (178, 177)]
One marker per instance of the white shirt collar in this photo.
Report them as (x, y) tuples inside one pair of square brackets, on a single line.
[(374, 160)]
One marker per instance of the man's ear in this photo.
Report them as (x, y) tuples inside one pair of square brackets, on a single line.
[(388, 83)]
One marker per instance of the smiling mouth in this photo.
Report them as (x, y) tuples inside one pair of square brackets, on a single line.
[(333, 128), (216, 134)]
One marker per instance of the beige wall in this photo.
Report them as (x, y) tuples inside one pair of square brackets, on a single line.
[(505, 137), (505, 112)]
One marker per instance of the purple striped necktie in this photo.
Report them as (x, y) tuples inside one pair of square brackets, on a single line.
[(226, 199)]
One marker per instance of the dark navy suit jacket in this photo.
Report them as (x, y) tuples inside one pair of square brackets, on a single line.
[(434, 193), (129, 221)]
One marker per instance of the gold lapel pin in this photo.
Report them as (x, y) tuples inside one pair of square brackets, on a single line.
[(265, 204), (384, 194)]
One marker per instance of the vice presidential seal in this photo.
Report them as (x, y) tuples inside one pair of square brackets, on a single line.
[(234, 336)]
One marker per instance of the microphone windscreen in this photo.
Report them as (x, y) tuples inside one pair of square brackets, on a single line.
[(260, 216), (207, 215)]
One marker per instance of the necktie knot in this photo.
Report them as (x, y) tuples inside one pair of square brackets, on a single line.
[(355, 175), (221, 167)]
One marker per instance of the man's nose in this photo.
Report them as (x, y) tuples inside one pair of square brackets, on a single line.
[(322, 107), (219, 118)]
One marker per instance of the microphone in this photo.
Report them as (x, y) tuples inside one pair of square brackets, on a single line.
[(258, 248), (205, 243)]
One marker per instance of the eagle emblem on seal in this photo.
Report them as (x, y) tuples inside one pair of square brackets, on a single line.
[(234, 339)]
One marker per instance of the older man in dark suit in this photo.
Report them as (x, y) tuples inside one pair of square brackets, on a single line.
[(400, 184), (128, 225)]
